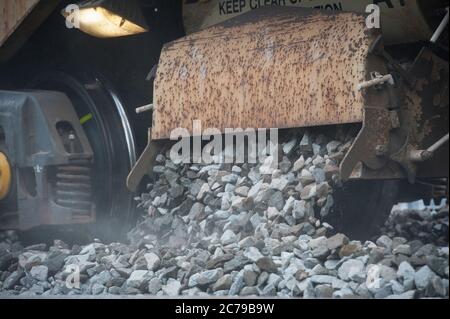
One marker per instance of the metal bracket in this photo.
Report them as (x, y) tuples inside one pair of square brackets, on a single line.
[(371, 140), (145, 162), (402, 121), (402, 157)]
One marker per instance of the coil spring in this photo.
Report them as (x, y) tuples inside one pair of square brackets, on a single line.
[(73, 188)]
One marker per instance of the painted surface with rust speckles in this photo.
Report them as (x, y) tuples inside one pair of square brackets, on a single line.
[(12, 13), (284, 68)]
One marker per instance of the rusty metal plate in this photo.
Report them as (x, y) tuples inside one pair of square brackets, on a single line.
[(283, 67), (12, 13)]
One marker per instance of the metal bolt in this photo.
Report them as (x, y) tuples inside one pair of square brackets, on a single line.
[(426, 155), (72, 138), (381, 150)]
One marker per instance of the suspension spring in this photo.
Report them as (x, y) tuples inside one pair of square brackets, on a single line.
[(73, 188)]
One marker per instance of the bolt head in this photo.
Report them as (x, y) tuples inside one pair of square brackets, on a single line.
[(381, 150)]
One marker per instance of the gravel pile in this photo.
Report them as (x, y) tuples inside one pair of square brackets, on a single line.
[(234, 230), (417, 221)]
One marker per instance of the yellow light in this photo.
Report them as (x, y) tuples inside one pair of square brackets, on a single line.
[(90, 16), (5, 176), (102, 23)]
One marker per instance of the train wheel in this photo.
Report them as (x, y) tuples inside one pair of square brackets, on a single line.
[(106, 124)]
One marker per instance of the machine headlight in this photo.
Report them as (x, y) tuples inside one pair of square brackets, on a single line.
[(107, 18)]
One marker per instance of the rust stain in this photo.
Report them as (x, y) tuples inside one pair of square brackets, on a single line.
[(12, 13), (264, 69)]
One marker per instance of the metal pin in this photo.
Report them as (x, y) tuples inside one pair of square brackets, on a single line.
[(144, 108), (425, 155), (440, 28), (438, 144), (377, 80)]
